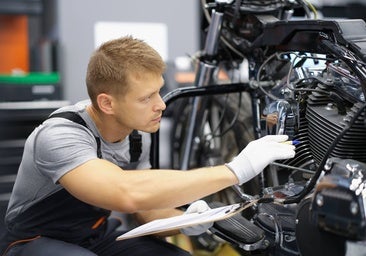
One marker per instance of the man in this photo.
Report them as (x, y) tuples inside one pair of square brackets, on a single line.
[(74, 173)]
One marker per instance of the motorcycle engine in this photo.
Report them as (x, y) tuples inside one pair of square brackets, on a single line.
[(338, 203), (334, 214), (329, 115), (325, 118), (326, 114)]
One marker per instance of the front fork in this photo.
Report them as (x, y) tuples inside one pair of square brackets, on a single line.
[(204, 76)]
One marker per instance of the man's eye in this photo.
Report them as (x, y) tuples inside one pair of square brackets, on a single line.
[(146, 99)]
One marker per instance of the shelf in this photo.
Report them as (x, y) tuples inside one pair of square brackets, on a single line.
[(30, 78), (29, 7), (30, 87)]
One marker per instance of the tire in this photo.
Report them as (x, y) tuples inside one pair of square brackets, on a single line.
[(218, 140)]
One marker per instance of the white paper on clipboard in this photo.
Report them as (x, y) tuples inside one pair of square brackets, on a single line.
[(181, 221)]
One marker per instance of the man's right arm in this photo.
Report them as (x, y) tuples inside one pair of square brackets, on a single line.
[(101, 183)]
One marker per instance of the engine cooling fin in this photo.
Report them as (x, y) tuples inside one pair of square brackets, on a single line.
[(325, 124)]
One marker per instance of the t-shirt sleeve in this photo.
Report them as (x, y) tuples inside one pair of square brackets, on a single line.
[(62, 146)]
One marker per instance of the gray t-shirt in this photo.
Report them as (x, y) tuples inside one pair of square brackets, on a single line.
[(59, 145)]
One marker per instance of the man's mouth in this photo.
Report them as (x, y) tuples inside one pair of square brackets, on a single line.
[(157, 119)]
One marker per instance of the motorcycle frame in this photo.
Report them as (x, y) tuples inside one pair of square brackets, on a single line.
[(318, 36)]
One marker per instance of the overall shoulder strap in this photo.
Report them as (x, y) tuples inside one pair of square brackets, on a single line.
[(76, 118), (135, 146), (135, 138)]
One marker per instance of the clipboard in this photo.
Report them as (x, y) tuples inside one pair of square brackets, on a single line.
[(185, 220)]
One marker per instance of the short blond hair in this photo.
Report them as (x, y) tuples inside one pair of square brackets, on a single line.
[(111, 64)]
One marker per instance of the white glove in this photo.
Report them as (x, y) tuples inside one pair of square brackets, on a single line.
[(199, 207), (258, 154)]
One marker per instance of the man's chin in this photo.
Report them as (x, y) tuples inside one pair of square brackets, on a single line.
[(155, 130), (152, 129)]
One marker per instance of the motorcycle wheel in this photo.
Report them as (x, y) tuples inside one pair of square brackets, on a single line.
[(222, 132)]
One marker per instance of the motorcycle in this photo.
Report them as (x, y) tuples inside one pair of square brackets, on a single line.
[(304, 77)]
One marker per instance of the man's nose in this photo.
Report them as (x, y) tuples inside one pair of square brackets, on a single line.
[(160, 104)]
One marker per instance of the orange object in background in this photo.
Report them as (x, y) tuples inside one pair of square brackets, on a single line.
[(14, 49)]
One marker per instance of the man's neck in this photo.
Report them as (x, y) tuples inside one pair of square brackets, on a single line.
[(107, 126)]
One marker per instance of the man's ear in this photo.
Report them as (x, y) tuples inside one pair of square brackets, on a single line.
[(105, 103)]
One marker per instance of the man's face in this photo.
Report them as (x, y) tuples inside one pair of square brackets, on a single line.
[(141, 107)]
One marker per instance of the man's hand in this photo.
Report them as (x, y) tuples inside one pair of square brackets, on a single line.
[(199, 207), (258, 154)]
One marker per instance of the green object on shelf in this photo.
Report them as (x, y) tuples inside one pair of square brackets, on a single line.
[(33, 78)]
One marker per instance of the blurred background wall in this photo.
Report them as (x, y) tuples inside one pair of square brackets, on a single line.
[(76, 20)]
